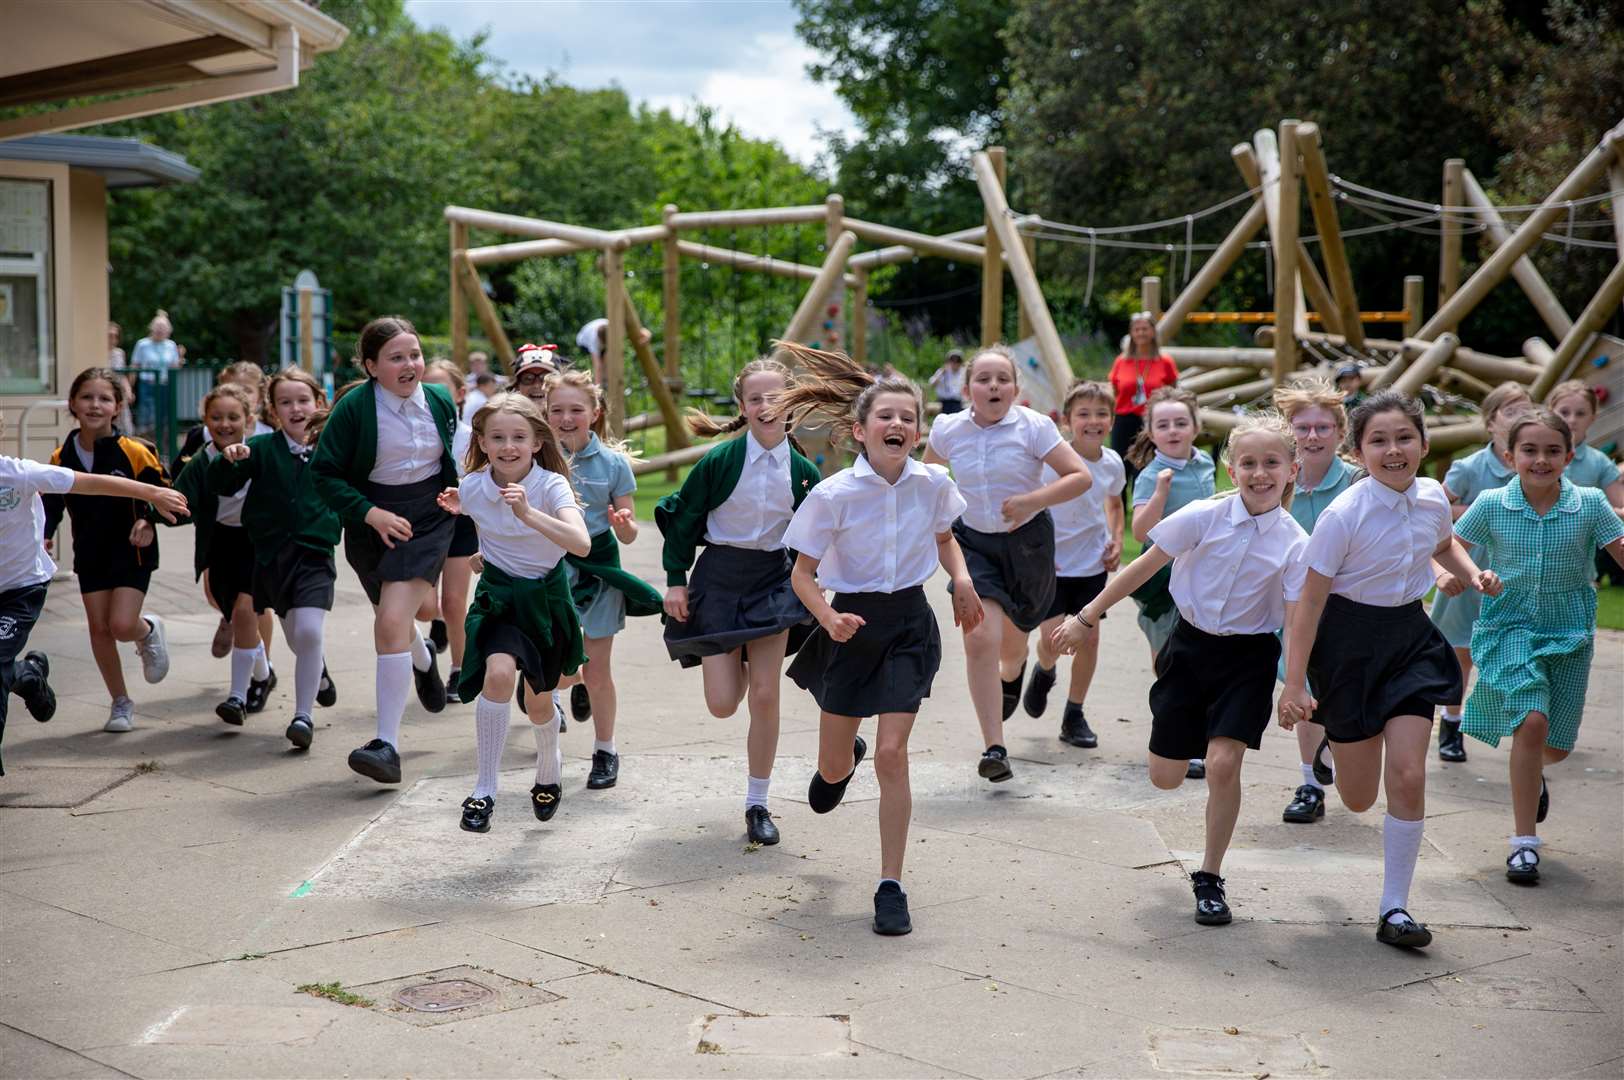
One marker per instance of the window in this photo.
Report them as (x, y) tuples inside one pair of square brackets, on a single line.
[(27, 306)]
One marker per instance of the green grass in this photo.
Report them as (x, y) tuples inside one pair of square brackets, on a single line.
[(332, 991), (1610, 607)]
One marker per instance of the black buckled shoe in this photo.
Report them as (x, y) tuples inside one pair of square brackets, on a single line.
[(1036, 698), (605, 770), (1196, 769), (326, 690), (758, 825), (580, 703), (476, 814), (1407, 934), (544, 800), (1012, 692), (1307, 806), (1324, 761), (1451, 747), (232, 710), (377, 760), (430, 687), (823, 796), (1074, 728), (1523, 866), (1211, 909), (300, 732), (34, 687), (1544, 800), (891, 910), (437, 635), (994, 765), (259, 692)]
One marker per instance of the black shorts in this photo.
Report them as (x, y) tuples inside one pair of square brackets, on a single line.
[(464, 538), (296, 576), (19, 611), (1016, 568), (420, 558), (888, 666), (735, 596), (1211, 686), (115, 577), (1072, 594), (1370, 664), (230, 566)]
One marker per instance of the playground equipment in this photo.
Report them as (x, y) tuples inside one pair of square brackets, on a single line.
[(1278, 167)]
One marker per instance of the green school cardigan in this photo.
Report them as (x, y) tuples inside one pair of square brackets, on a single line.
[(282, 507), (347, 449), (541, 607)]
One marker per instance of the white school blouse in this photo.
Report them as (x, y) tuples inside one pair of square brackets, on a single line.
[(1233, 570), (408, 444), (1376, 544), (1080, 532), (23, 561), (992, 463), (872, 536), (756, 514), (504, 540)]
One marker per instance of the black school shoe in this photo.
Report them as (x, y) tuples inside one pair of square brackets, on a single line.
[(1036, 698), (1324, 773), (1307, 806), (823, 796), (300, 732), (1196, 769), (232, 710), (326, 690), (377, 760), (1408, 934), (1544, 801), (34, 687), (1451, 747), (891, 910), (259, 692), (994, 765), (580, 703), (1211, 909), (1523, 866), (476, 814), (430, 687), (544, 800), (759, 827), (605, 770), (1012, 692), (1074, 728), (437, 635)]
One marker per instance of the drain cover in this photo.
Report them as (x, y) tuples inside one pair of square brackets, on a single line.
[(447, 996)]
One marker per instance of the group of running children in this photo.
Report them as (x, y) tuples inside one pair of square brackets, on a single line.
[(1311, 571)]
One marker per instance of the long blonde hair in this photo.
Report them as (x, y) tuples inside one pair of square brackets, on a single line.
[(549, 454)]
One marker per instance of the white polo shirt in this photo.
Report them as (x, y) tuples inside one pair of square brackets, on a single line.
[(992, 463), (504, 540), (23, 561), (1080, 532), (1376, 544), (756, 514), (1233, 570)]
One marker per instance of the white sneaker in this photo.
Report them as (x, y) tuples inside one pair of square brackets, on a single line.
[(122, 715), (154, 654)]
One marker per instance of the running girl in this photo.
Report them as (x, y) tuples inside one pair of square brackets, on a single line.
[(738, 616)]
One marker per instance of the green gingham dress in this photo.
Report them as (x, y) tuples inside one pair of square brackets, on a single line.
[(1467, 480), (1533, 642)]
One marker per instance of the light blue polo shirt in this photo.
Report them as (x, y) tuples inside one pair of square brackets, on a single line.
[(1193, 478), (600, 476), (1307, 504)]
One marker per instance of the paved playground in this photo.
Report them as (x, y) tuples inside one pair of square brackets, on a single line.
[(166, 892)]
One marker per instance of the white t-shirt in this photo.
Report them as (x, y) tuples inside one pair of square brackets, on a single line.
[(872, 536), (472, 403), (756, 514), (1376, 544), (504, 540), (459, 446), (23, 561), (1233, 571), (992, 463), (1080, 532)]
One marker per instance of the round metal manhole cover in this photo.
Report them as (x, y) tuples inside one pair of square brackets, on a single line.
[(441, 997)]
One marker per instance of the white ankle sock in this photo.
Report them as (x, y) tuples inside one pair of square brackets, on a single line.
[(895, 882), (1524, 841), (549, 754), (1401, 845), (756, 793), (606, 747), (303, 628), (491, 732), (1452, 717), (394, 682), (422, 658), (242, 666), (262, 663), (1308, 777)]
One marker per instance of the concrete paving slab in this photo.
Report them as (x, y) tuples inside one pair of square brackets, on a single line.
[(239, 1025), (777, 1036), (1231, 1052), (372, 958), (60, 787), (21, 1054)]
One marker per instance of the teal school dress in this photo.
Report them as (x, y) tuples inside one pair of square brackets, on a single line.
[(1193, 478), (1466, 480), (599, 476)]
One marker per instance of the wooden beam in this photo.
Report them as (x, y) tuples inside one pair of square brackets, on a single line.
[(1497, 266), (496, 254), (733, 219), (1150, 296), (1602, 307), (459, 310), (834, 224), (1449, 239), (1287, 303), (671, 300), (992, 267), (1415, 376), (745, 260), (671, 459), (1538, 353), (1615, 188), (920, 242), (886, 256), (859, 316), (475, 292), (676, 432), (1023, 321), (1413, 299), (539, 228), (1458, 382), (1216, 379), (614, 345), (1234, 395), (1316, 178), (161, 65), (1448, 439), (643, 234), (1523, 270), (1319, 294), (811, 305), (1220, 357)]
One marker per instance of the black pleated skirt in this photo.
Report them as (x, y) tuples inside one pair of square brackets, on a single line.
[(464, 538), (421, 557), (736, 595), (231, 566), (887, 666), (1015, 568), (296, 576), (1370, 664)]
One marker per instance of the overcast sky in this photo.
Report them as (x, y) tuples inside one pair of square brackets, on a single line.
[(740, 56)]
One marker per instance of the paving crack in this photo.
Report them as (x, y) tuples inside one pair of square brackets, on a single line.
[(64, 1049)]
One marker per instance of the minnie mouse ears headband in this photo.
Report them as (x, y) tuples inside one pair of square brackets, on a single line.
[(529, 355)]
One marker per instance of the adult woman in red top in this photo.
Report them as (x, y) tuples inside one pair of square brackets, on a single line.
[(1141, 369)]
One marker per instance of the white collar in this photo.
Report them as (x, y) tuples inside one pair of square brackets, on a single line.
[(297, 448), (863, 470), (1009, 417), (753, 450), (1239, 513), (1176, 464), (1390, 498), (398, 403)]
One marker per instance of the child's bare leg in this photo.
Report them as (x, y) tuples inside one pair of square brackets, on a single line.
[(983, 647), (896, 797), (103, 645), (1224, 756), (765, 677), (1527, 764), (600, 683), (725, 684)]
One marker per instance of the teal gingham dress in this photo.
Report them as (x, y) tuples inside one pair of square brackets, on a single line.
[(1533, 642), (1196, 480), (1466, 480)]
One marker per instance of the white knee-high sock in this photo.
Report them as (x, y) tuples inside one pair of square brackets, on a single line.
[(394, 683), (262, 663), (756, 791), (491, 731), (242, 666), (1401, 845), (549, 754), (422, 658), (304, 627)]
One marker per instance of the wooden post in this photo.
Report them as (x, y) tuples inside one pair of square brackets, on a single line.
[(1523, 271), (1615, 185), (1412, 304), (1050, 350), (671, 300), (1286, 303), (805, 318), (834, 224), (1317, 179), (1538, 352), (614, 346), (1023, 322), (676, 431), (474, 293), (992, 266), (1309, 283), (859, 317), (1497, 266), (1449, 241), (1595, 315), (1414, 377), (1150, 296), (459, 311), (1319, 294)]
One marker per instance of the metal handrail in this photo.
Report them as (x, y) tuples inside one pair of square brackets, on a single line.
[(22, 424)]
